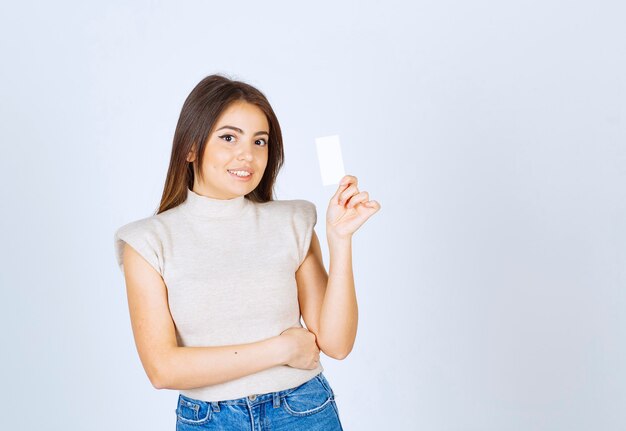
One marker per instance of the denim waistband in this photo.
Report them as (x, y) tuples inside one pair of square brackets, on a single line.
[(253, 400)]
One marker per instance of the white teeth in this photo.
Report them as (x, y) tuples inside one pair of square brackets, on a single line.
[(240, 173)]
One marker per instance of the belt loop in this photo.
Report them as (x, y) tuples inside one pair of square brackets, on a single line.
[(276, 400), (215, 405)]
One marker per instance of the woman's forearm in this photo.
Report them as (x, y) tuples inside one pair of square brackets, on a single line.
[(339, 314), (192, 367)]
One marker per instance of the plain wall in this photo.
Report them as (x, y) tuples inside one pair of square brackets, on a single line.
[(491, 284)]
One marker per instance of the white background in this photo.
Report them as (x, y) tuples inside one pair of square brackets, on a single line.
[(491, 284)]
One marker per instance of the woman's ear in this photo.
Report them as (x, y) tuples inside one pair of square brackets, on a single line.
[(192, 155)]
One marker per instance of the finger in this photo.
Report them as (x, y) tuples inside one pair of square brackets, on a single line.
[(348, 179), (340, 190), (358, 198), (372, 204), (347, 193), (344, 184)]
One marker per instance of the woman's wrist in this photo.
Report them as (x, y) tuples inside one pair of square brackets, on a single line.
[(280, 348), (333, 238)]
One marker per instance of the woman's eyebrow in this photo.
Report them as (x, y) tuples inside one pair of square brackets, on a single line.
[(237, 129)]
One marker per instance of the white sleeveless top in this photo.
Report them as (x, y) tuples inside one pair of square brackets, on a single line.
[(229, 267)]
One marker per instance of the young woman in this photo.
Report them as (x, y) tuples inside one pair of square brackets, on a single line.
[(218, 278)]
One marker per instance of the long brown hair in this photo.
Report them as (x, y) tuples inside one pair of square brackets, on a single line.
[(197, 119)]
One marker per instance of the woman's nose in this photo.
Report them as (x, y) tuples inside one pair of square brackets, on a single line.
[(245, 155), (246, 152)]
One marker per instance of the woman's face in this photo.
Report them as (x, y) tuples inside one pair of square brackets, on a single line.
[(238, 143)]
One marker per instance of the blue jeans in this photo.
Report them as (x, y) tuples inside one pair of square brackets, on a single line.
[(310, 406)]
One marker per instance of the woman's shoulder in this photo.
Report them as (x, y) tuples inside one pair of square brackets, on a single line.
[(293, 209), (142, 224), (145, 235), (153, 222), (145, 224), (289, 205)]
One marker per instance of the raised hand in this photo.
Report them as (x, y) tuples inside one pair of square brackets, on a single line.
[(348, 209)]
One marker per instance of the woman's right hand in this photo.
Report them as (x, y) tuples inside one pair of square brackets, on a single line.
[(301, 348)]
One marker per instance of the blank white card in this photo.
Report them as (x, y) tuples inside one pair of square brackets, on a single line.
[(329, 156)]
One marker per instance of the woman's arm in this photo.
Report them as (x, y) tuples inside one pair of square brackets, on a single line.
[(191, 367), (328, 303), (339, 314), (169, 366)]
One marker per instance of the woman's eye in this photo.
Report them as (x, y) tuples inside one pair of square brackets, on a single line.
[(227, 136), (230, 138)]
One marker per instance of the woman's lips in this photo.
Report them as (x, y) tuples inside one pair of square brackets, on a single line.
[(237, 177)]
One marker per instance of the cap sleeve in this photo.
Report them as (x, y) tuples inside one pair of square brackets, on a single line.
[(307, 213), (141, 236)]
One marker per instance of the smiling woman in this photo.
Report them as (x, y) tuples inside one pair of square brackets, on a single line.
[(241, 156), (213, 296), (218, 104)]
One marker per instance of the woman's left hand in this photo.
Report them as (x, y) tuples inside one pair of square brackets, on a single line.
[(348, 209)]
